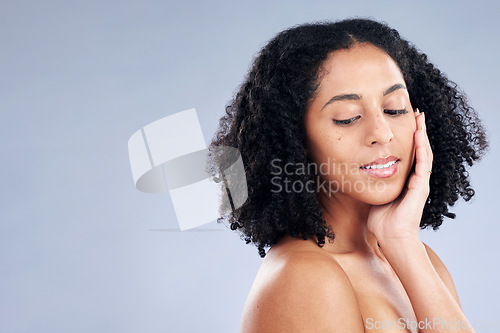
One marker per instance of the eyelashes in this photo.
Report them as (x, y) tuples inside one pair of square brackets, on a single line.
[(389, 112), (395, 112), (345, 122)]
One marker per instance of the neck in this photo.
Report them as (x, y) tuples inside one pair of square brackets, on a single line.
[(348, 217)]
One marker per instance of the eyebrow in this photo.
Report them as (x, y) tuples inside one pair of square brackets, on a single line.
[(356, 97)]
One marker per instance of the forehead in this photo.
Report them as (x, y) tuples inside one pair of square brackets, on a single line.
[(363, 66)]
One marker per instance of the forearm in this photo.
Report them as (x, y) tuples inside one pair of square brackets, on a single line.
[(431, 300)]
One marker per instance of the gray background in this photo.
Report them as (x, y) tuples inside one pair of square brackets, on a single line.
[(81, 250)]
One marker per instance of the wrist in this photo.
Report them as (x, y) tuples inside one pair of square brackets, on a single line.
[(399, 243), (404, 251)]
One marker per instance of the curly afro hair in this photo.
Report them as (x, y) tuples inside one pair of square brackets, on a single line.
[(265, 122)]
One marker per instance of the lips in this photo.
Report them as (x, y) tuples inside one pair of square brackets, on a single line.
[(382, 167), (379, 162)]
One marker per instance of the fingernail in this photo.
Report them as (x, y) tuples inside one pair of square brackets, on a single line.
[(418, 111)]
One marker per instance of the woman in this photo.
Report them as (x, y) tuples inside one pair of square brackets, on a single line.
[(334, 147)]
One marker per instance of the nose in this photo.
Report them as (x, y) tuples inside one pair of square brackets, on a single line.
[(378, 130)]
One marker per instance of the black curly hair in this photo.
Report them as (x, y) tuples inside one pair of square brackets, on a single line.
[(265, 122)]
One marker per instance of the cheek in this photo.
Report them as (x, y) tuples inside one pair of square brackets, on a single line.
[(327, 147), (324, 143), (407, 137), (406, 133), (408, 142)]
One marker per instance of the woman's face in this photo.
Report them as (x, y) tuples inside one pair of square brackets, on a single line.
[(360, 126)]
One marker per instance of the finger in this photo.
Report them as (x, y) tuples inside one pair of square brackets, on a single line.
[(428, 149), (428, 145), (416, 189), (422, 149), (420, 123)]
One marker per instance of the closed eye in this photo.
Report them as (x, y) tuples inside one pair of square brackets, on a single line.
[(396, 112), (346, 121)]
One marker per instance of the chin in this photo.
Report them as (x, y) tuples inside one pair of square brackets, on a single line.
[(382, 201), (372, 192), (382, 197)]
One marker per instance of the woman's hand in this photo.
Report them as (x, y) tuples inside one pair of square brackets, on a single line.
[(395, 225), (399, 220)]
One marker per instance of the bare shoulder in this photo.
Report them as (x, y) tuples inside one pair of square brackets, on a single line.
[(301, 290), (442, 272)]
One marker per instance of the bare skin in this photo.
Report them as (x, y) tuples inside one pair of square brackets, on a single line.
[(377, 270)]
